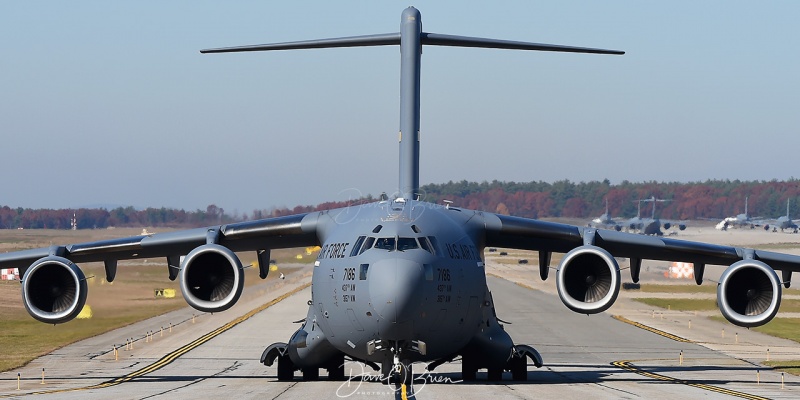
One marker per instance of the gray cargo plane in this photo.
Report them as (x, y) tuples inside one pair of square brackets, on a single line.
[(401, 281), (652, 225), (740, 220), (782, 223), (605, 221)]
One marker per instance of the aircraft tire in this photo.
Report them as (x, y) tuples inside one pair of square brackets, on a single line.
[(469, 370), (336, 368), (311, 374), (404, 377), (519, 368), (386, 371), (495, 374), (285, 368)]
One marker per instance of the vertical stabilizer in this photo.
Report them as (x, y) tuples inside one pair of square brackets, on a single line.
[(411, 38), (745, 206), (410, 60)]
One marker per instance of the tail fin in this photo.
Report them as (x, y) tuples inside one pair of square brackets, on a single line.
[(411, 38)]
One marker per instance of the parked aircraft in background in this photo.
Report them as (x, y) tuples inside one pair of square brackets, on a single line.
[(652, 225), (782, 223), (739, 221), (636, 223), (400, 280), (605, 221)]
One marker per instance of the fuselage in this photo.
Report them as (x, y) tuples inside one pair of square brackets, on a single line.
[(399, 270)]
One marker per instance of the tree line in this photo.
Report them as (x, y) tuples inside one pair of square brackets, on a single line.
[(694, 200)]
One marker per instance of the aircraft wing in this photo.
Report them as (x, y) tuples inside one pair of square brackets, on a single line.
[(54, 288), (588, 276), (259, 235), (531, 234)]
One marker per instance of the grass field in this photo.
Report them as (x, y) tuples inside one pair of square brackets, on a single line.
[(787, 305), (792, 367), (683, 288), (679, 304), (788, 328), (129, 299)]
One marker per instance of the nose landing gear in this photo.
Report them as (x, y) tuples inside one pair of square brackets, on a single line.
[(398, 370)]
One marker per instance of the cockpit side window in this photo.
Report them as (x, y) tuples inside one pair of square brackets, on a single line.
[(357, 246), (367, 244), (387, 243), (434, 244), (406, 243), (426, 245)]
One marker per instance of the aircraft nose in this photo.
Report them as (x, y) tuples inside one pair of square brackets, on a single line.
[(395, 288)]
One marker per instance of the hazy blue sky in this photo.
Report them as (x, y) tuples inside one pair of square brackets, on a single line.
[(111, 102)]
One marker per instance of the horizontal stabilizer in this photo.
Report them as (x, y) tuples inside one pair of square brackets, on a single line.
[(435, 39), (432, 39), (352, 41)]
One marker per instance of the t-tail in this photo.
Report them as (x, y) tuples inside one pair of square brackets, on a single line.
[(410, 38)]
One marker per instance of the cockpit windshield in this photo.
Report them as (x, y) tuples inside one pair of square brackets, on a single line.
[(385, 243), (406, 243), (395, 243)]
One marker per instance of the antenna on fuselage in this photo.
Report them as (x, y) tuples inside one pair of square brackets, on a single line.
[(410, 38)]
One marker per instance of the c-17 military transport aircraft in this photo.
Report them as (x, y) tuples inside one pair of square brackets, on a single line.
[(401, 281)]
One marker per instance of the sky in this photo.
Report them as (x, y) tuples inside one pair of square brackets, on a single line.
[(111, 103)]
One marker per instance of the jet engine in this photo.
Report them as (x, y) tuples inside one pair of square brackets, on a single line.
[(212, 278), (749, 293), (54, 290), (588, 280), (668, 225)]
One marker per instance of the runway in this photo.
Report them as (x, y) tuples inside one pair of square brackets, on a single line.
[(218, 356)]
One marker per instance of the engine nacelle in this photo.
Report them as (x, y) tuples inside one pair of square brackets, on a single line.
[(667, 225), (212, 278), (54, 290), (682, 227), (588, 280), (749, 293)]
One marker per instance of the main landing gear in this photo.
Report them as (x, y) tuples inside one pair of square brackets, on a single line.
[(286, 368), (517, 365)]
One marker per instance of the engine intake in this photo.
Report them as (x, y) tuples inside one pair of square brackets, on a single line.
[(212, 278), (54, 290), (588, 280), (749, 293)]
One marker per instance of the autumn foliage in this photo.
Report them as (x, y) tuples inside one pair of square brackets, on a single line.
[(709, 199)]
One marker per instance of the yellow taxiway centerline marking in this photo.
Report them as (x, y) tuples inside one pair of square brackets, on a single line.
[(169, 358), (651, 329), (628, 366)]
